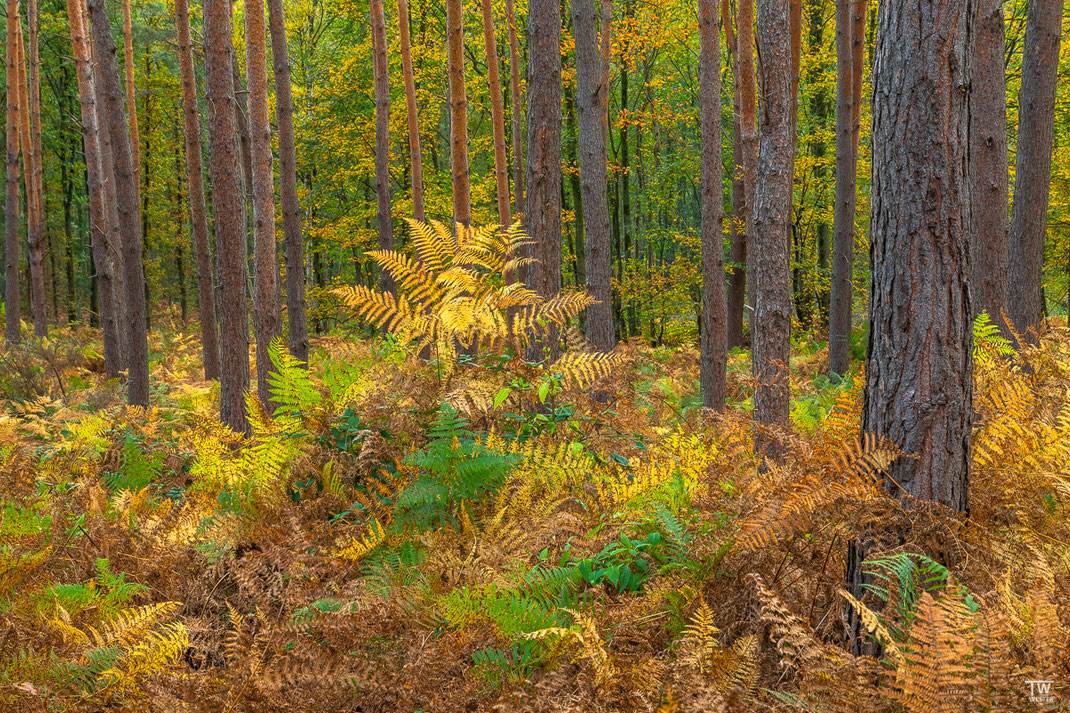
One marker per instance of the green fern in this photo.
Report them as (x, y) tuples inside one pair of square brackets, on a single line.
[(290, 385), (988, 340)]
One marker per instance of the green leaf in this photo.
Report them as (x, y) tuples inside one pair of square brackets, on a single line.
[(544, 391), (502, 395)]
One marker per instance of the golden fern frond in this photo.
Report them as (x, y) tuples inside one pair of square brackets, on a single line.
[(126, 624), (584, 368), (874, 626), (383, 309), (434, 243)]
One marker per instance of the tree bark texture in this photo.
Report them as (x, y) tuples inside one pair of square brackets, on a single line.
[(515, 108), (497, 113), (228, 207), (843, 214), (195, 180), (462, 190), (1032, 176), (771, 327), (129, 224), (748, 131), (411, 113), (35, 237), (131, 103), (12, 327), (267, 322), (714, 336), (380, 71), (919, 359), (296, 307)]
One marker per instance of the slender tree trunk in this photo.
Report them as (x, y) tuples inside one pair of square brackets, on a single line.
[(843, 219), (411, 113), (136, 342), (590, 88), (772, 225), (860, 9), (1032, 176), (543, 214), (195, 180), (988, 160), (296, 308), (515, 108), (737, 279), (34, 78), (380, 69), (228, 206), (131, 104), (462, 191), (100, 228), (13, 332), (714, 337), (919, 361), (497, 111), (748, 131), (266, 318), (35, 239)]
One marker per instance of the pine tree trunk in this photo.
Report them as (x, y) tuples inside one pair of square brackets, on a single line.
[(12, 332), (1032, 176), (590, 88), (296, 307), (34, 77), (100, 227), (228, 208), (380, 70), (462, 191), (843, 218), (35, 239), (714, 337), (195, 181), (748, 131), (772, 224), (131, 104), (515, 108), (411, 113), (737, 278), (919, 360), (543, 214), (988, 160), (497, 112), (136, 342), (267, 321)]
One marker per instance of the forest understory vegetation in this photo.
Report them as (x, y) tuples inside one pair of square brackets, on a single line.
[(486, 533)]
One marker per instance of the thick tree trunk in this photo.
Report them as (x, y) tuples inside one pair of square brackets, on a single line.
[(497, 112), (843, 217), (100, 227), (737, 278), (592, 128), (380, 70), (411, 113), (543, 214), (267, 321), (771, 327), (195, 180), (515, 106), (1032, 176), (228, 206), (919, 359), (714, 337), (988, 160), (462, 191), (296, 308), (12, 332), (136, 342)]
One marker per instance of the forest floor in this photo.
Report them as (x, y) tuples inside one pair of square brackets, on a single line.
[(390, 539)]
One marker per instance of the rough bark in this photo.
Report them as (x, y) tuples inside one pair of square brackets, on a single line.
[(859, 10), (497, 113), (462, 191), (411, 112), (714, 342), (988, 160), (12, 332), (195, 180), (228, 206), (594, 178), (34, 77), (543, 214), (919, 357), (100, 227), (843, 216), (771, 327), (514, 108), (380, 71), (131, 104), (737, 278), (136, 342), (267, 322), (748, 131), (296, 308), (1032, 176)]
